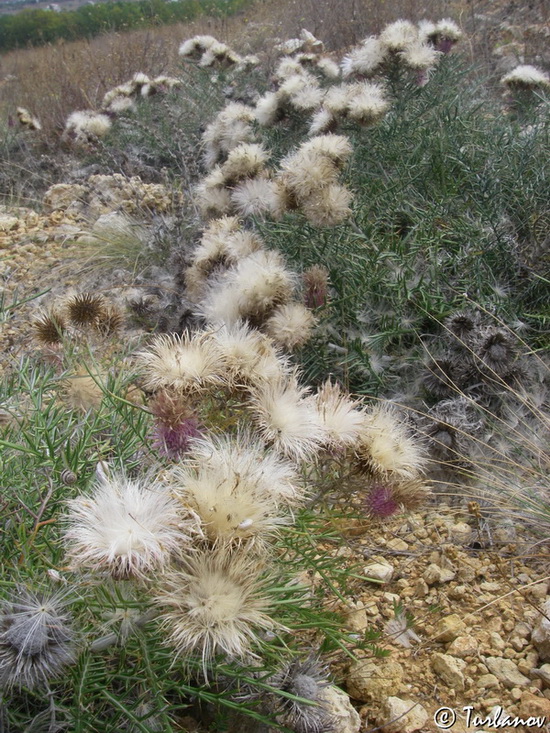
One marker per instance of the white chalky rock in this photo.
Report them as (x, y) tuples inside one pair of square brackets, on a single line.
[(402, 716), (345, 717), (379, 571), (506, 671)]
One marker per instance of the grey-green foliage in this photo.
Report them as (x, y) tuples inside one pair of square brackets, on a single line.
[(449, 198), (121, 675)]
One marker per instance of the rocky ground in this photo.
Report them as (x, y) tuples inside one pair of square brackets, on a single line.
[(477, 641)]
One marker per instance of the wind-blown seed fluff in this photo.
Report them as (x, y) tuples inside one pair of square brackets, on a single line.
[(183, 363), (286, 68), (328, 206), (526, 77), (250, 356), (36, 639), (128, 528), (328, 67), (286, 419), (366, 103), (214, 603), (238, 490), (398, 35), (335, 147), (268, 108), (27, 120), (290, 326), (420, 56), (303, 174), (323, 121), (341, 417), (250, 290), (257, 197), (195, 47), (230, 128), (385, 447), (448, 30), (364, 60), (222, 245), (245, 161), (86, 125)]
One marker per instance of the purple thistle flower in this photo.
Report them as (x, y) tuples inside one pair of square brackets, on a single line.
[(380, 501), (173, 440)]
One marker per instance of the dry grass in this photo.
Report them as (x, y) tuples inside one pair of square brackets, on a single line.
[(57, 79)]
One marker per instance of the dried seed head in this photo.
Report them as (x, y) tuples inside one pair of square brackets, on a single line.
[(442, 376), (176, 424), (127, 528), (36, 639), (85, 309), (462, 325), (385, 449), (316, 281), (496, 348), (214, 602), (305, 679), (110, 321), (49, 328)]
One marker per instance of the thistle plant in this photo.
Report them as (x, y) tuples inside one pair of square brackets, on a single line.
[(179, 486)]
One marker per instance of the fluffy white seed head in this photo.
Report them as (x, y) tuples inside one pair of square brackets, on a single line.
[(341, 417), (258, 196), (247, 62), (27, 120), (290, 326), (308, 99), (328, 206), (140, 79), (448, 29), (427, 29), (286, 419), (213, 201), (398, 35), (245, 161), (322, 121), (268, 108), (222, 245), (337, 98), (386, 448), (526, 77), (120, 105), (128, 528), (367, 103), (420, 56), (250, 291), (237, 489), (86, 124), (365, 59), (335, 147), (196, 46), (304, 173), (328, 67), (182, 363), (213, 603), (288, 67), (250, 356)]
